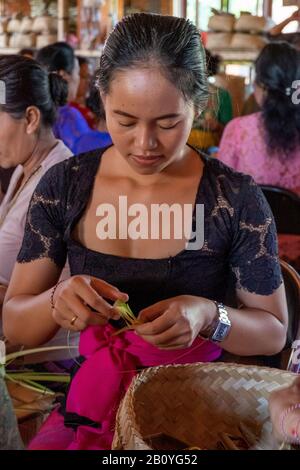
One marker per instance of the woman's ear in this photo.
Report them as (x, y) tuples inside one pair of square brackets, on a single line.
[(33, 119), (197, 112)]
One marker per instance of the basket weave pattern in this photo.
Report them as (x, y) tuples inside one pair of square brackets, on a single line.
[(197, 402)]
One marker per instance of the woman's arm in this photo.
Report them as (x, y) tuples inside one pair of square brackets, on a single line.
[(279, 27), (259, 327), (28, 316)]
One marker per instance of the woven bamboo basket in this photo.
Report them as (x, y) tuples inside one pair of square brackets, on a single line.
[(196, 403)]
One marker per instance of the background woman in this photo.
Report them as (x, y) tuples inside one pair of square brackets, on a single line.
[(60, 58), (266, 144), (27, 143)]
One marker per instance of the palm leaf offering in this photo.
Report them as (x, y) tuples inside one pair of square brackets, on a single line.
[(30, 379), (127, 315)]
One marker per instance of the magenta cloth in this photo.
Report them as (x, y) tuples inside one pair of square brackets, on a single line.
[(102, 380), (243, 147)]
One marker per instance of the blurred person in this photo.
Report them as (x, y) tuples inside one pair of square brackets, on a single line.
[(27, 143), (80, 102), (94, 138), (208, 127), (266, 144), (60, 58)]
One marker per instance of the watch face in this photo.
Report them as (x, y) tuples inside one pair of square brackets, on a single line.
[(221, 332)]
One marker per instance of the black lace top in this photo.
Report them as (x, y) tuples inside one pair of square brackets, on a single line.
[(240, 247)]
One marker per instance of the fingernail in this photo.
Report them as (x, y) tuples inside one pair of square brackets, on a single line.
[(115, 314)]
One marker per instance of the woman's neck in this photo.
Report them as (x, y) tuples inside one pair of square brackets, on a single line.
[(185, 166), (44, 145)]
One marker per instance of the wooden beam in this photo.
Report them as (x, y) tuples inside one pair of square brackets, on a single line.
[(267, 8), (62, 19)]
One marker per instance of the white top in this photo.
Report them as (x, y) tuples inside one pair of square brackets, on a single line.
[(13, 213)]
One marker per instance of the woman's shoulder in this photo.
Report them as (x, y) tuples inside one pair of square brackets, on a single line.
[(229, 183), (65, 175), (236, 192), (245, 122)]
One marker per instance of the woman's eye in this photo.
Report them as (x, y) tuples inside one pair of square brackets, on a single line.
[(126, 124), (169, 127)]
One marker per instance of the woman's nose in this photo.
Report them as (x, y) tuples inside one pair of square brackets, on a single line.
[(146, 139)]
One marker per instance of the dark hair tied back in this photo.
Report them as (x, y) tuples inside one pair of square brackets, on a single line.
[(277, 67), (28, 84), (147, 40), (58, 89)]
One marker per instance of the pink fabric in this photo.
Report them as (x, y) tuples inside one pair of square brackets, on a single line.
[(243, 148), (102, 380)]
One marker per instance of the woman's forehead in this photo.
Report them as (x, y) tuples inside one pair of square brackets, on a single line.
[(147, 90)]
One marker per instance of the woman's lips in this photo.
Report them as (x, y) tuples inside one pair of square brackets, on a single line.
[(146, 160)]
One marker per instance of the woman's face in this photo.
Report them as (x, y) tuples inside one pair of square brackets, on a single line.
[(85, 78), (16, 143), (148, 119), (73, 81)]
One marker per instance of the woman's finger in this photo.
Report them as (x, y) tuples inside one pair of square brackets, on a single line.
[(107, 290), (72, 305), (83, 289), (158, 326), (154, 311), (169, 336)]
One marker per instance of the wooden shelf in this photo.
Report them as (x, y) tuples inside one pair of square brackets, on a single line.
[(78, 52), (237, 55), (88, 53), (8, 50)]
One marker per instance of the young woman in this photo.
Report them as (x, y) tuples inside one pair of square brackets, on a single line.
[(152, 80), (60, 58), (27, 114)]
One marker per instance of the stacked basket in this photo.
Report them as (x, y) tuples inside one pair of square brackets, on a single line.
[(246, 32)]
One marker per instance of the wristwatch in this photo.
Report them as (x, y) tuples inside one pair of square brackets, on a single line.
[(222, 325)]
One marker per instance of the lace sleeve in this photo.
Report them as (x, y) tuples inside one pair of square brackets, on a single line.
[(44, 230), (254, 253)]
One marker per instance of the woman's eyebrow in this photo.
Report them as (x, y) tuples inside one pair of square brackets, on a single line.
[(165, 116)]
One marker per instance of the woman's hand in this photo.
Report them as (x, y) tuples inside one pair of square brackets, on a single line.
[(80, 302), (175, 323), (284, 405)]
